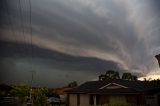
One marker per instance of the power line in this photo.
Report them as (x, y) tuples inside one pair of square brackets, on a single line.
[(10, 22), (9, 18), (22, 24), (31, 38), (30, 17), (30, 8)]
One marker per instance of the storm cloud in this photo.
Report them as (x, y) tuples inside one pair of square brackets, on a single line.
[(88, 36)]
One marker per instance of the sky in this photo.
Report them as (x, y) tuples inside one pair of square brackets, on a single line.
[(60, 41)]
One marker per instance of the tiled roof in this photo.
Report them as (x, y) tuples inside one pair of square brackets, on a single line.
[(62, 91), (132, 87)]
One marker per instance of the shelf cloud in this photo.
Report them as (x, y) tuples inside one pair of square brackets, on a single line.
[(107, 34)]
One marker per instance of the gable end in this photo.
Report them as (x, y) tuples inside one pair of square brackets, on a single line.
[(113, 86)]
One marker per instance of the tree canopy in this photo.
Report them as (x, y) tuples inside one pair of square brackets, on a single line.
[(73, 84), (39, 97), (111, 74), (51, 93), (20, 90), (129, 76)]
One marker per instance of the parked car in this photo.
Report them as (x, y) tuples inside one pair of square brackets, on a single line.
[(54, 101)]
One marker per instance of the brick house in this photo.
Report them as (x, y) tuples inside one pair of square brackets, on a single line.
[(116, 91)]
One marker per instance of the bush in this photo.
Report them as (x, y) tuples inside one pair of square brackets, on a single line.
[(39, 97), (21, 91)]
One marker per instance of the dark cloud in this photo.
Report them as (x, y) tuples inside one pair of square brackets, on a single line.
[(15, 62), (55, 58), (83, 35)]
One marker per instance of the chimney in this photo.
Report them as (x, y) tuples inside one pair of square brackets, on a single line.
[(158, 58)]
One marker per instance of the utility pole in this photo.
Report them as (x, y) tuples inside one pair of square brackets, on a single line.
[(32, 79)]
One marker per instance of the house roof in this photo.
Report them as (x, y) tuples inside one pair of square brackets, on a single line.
[(62, 91), (124, 86)]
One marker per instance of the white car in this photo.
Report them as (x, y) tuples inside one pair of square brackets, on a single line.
[(54, 100)]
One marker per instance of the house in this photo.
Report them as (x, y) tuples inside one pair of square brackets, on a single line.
[(114, 92)]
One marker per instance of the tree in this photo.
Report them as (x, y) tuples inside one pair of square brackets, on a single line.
[(110, 74), (51, 93), (39, 97), (134, 78), (21, 91), (102, 77), (129, 76), (73, 84)]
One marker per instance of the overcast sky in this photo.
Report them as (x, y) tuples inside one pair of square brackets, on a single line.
[(76, 40)]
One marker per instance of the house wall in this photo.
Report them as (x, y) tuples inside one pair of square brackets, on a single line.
[(110, 99), (132, 99), (102, 99), (84, 100), (152, 100), (117, 99), (72, 100)]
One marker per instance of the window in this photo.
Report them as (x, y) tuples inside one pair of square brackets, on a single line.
[(131, 99), (104, 99), (98, 99), (91, 99)]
